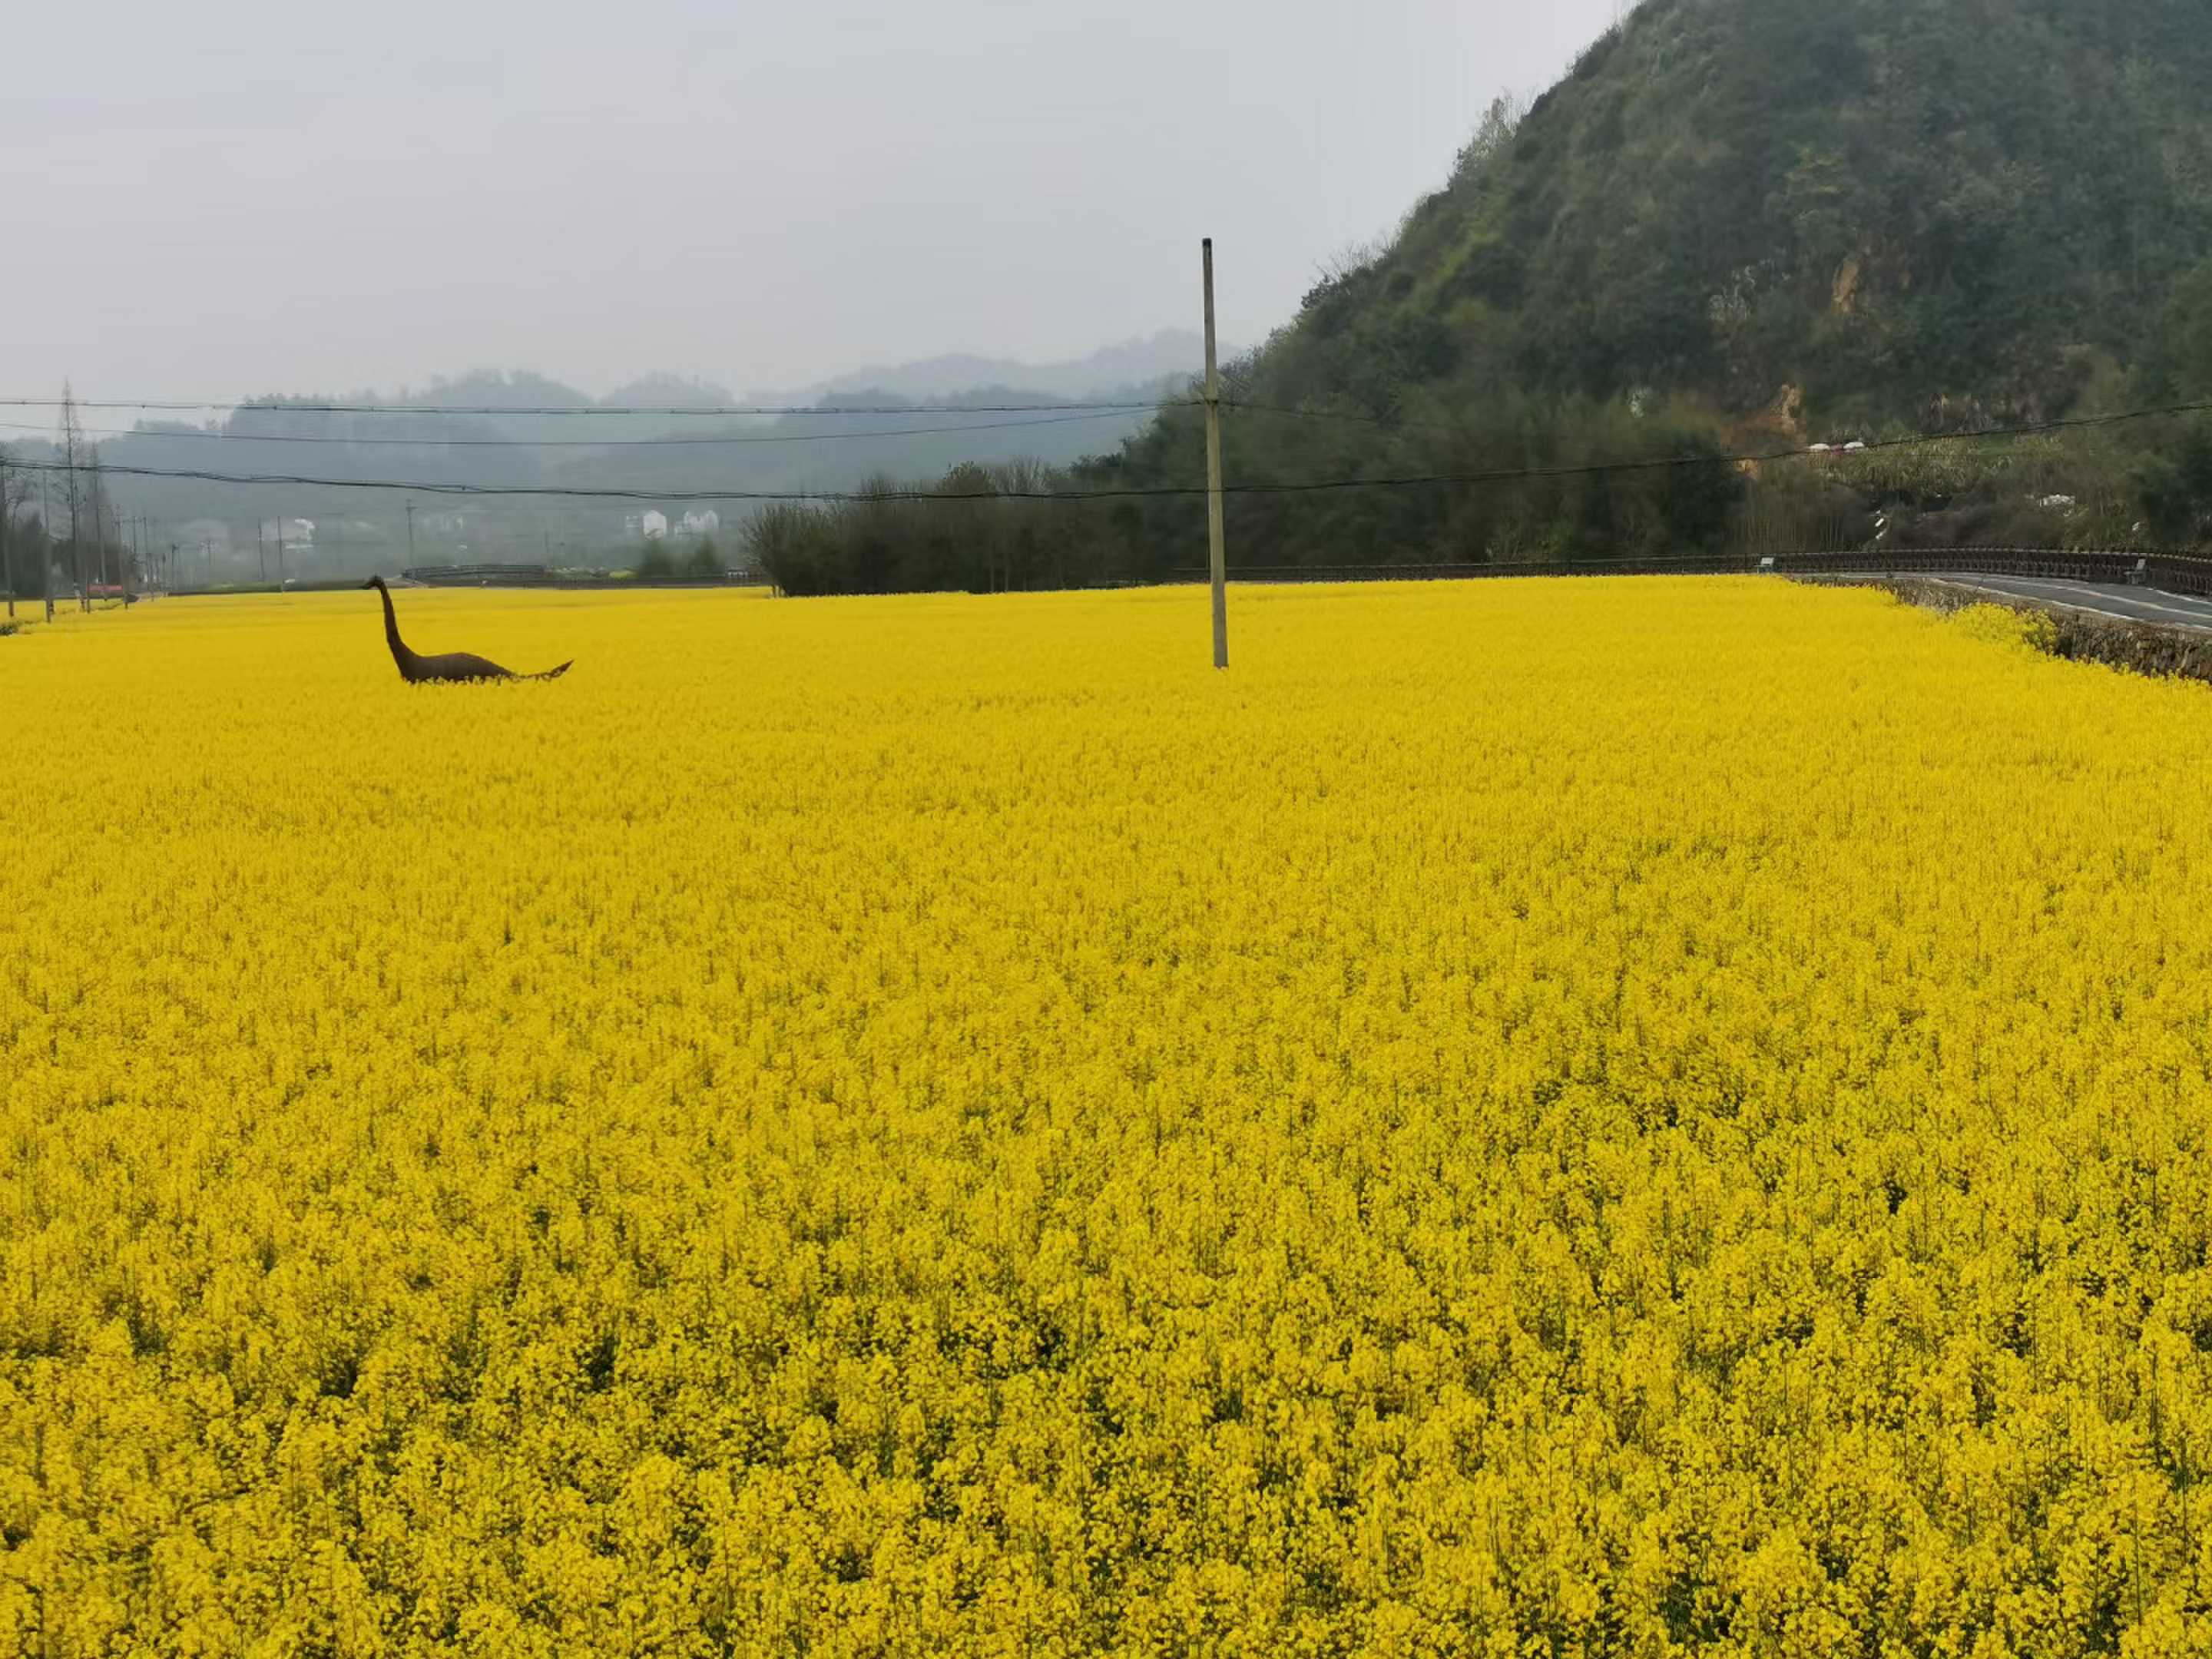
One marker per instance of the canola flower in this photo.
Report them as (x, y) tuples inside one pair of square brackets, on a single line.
[(1613, 1117)]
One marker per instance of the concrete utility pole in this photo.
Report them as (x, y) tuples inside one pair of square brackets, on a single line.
[(45, 549), (1218, 558), (7, 540), (410, 535), (99, 532)]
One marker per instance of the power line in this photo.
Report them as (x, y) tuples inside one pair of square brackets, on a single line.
[(198, 434), (174, 405), (1495, 475), (571, 492), (914, 410)]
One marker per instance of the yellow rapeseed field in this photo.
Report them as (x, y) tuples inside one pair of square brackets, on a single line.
[(1574, 1118)]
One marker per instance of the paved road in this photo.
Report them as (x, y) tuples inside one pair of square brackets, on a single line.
[(2143, 605)]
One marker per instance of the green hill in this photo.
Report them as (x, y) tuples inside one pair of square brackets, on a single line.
[(1889, 207), (1740, 222)]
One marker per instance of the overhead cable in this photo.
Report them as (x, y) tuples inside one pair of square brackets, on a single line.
[(201, 434), (1495, 475), (693, 412)]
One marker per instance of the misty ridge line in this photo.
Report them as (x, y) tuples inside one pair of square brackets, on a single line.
[(180, 405), (204, 435), (1134, 374)]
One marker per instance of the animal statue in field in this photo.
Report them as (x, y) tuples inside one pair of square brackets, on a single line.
[(455, 665)]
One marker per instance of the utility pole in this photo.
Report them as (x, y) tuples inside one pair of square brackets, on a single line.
[(70, 438), (99, 530), (410, 535), (45, 550), (6, 539), (1218, 558), (261, 550)]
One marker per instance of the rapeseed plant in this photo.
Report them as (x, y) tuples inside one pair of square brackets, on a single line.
[(1632, 1117)]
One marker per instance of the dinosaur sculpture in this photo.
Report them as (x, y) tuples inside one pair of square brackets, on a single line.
[(456, 666)]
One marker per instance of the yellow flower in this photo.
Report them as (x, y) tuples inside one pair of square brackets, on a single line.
[(1625, 1117)]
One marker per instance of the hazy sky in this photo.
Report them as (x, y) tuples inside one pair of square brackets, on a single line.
[(243, 195)]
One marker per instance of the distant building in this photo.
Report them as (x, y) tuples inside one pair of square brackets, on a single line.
[(700, 524), (648, 525)]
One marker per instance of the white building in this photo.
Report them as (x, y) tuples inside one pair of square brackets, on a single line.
[(697, 523), (648, 525)]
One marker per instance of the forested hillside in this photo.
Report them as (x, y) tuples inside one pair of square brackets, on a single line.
[(1742, 224), (1905, 209)]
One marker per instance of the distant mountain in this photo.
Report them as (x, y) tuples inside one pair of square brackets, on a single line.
[(664, 391), (1146, 365), (542, 432), (1141, 368), (496, 388)]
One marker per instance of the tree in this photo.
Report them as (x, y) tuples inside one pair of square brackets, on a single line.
[(1499, 123), (2180, 364), (704, 562)]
